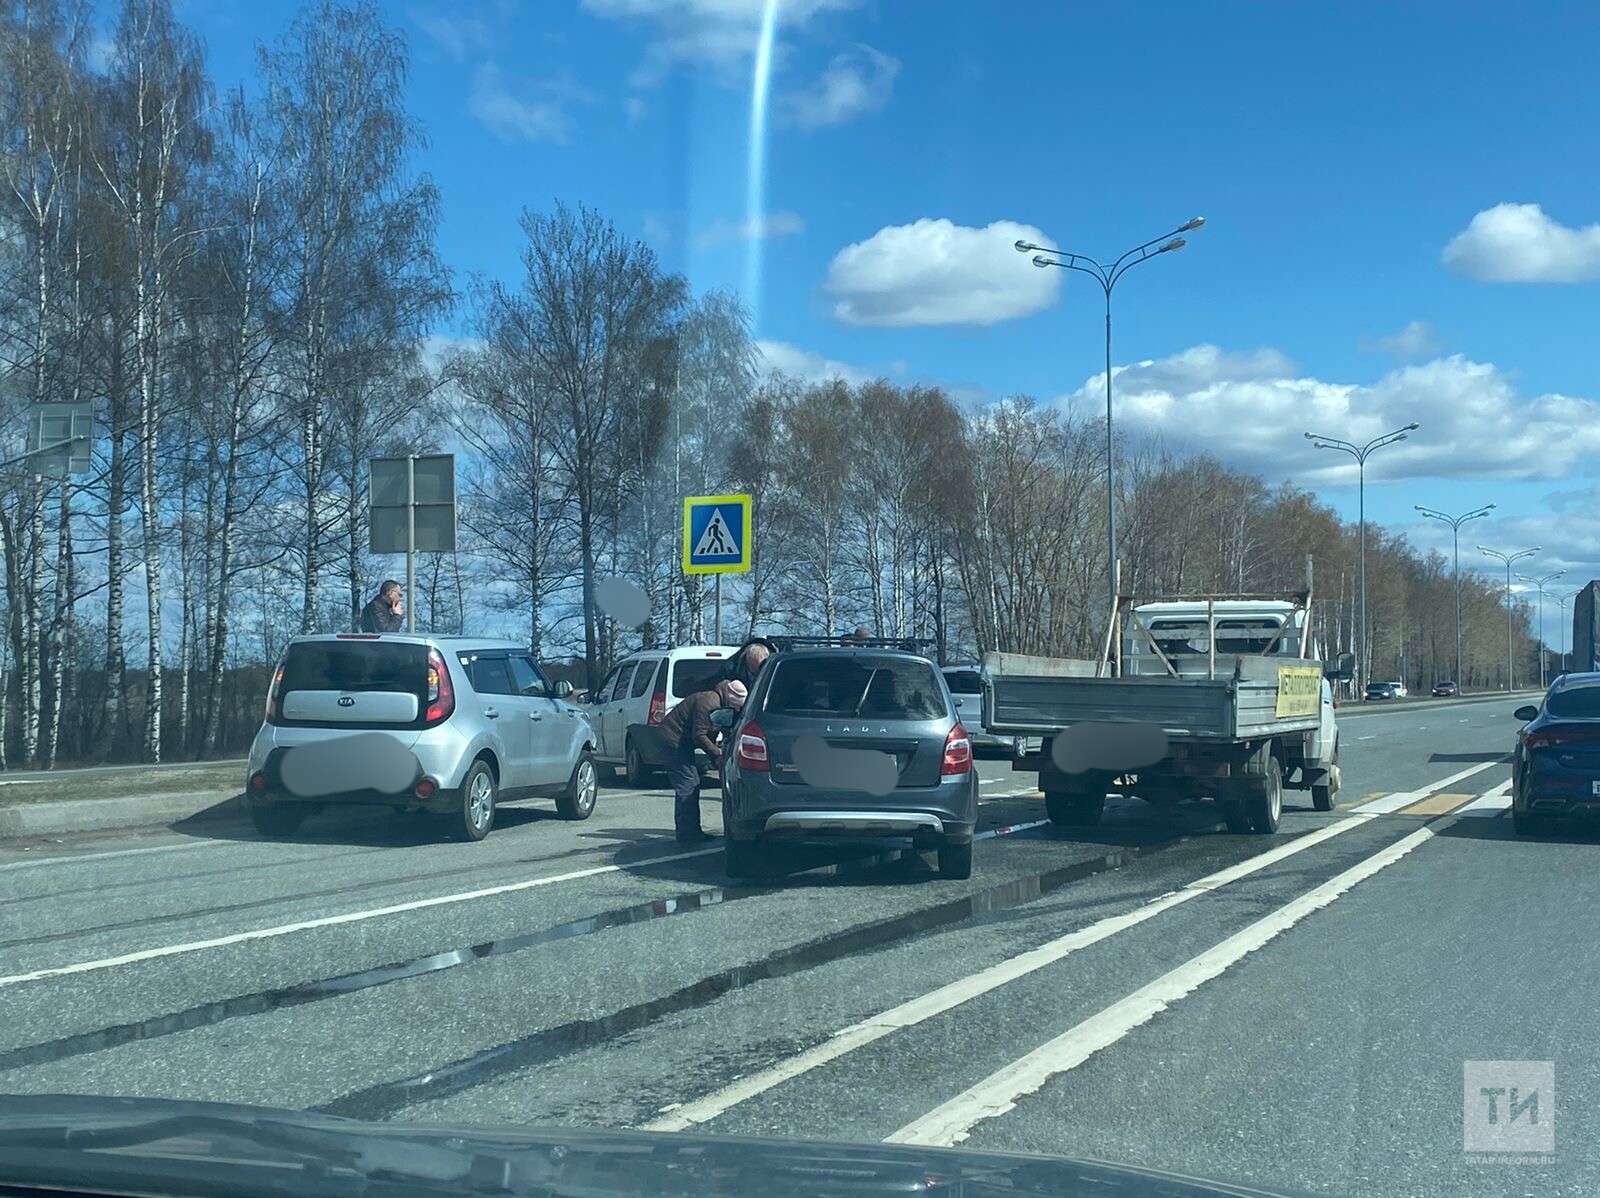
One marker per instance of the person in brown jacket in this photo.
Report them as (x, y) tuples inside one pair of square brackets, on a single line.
[(687, 727)]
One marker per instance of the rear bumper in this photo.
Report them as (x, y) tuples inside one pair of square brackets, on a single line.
[(758, 808), (1546, 794), (440, 802)]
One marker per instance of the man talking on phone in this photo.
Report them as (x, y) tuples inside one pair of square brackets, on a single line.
[(386, 612)]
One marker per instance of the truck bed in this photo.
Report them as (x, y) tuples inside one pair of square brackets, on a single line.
[(1025, 700)]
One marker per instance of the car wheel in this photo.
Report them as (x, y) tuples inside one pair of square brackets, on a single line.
[(634, 768), (1073, 809), (277, 819), (1265, 807), (744, 858), (475, 816), (578, 801), (955, 861)]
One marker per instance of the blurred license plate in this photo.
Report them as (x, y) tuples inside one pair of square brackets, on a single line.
[(1594, 788)]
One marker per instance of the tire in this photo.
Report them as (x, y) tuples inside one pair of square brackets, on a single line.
[(1324, 793), (277, 819), (955, 861), (1524, 824), (1265, 806), (582, 789), (744, 859), (634, 768), (1073, 808), (474, 815)]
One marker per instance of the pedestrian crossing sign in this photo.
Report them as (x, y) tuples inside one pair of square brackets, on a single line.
[(716, 534)]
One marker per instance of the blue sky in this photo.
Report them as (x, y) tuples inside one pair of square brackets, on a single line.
[(1403, 217)]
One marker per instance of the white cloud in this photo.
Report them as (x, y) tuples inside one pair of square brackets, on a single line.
[(783, 358), (856, 82), (102, 50), (766, 227), (935, 272), (1253, 409), (516, 109), (1518, 243), (634, 107), (659, 230), (719, 32), (462, 29), (1417, 340)]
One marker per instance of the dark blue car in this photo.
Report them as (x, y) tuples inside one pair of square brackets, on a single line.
[(1555, 769)]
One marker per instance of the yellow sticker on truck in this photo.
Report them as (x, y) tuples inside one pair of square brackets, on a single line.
[(1299, 690)]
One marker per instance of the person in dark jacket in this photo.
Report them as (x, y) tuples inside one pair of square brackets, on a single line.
[(386, 612), (687, 727)]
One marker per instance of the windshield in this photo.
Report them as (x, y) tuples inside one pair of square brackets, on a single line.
[(402, 401), (881, 688)]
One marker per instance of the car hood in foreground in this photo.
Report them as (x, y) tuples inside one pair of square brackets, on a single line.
[(155, 1146)]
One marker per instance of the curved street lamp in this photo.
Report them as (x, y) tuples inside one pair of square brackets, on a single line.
[(1107, 274), (1538, 584), (1455, 523), (1508, 558), (1361, 453)]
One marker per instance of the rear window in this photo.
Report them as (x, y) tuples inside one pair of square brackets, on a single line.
[(889, 689), (964, 682), (691, 674), (355, 666), (1575, 703)]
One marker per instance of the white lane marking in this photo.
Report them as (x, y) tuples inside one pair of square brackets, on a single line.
[(1405, 798), (328, 921), (1496, 802), (1000, 1092), (79, 858), (1371, 736), (20, 781), (1010, 828), (936, 1002)]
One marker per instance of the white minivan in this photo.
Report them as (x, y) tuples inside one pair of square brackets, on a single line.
[(627, 708)]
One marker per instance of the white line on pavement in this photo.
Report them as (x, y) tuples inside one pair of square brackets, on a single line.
[(1000, 1092), (83, 857), (1493, 803), (936, 1002), (1404, 798), (328, 921)]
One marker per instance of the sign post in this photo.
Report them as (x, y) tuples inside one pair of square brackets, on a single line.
[(412, 509), (59, 436), (716, 540)]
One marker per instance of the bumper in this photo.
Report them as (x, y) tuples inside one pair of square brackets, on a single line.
[(1559, 796), (760, 809), (439, 803)]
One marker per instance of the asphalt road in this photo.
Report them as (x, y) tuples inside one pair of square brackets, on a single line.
[(1293, 1012)]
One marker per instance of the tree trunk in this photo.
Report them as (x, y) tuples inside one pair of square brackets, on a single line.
[(150, 511), (33, 629), (116, 700), (63, 674)]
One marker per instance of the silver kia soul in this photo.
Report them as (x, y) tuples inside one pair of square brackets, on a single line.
[(448, 725)]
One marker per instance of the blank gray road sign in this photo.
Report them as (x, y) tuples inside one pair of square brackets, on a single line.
[(435, 499), (55, 423)]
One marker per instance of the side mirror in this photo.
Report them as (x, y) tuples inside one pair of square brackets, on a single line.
[(1341, 669), (1525, 714), (563, 689), (724, 717)]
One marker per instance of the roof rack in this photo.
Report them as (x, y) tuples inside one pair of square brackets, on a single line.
[(907, 644)]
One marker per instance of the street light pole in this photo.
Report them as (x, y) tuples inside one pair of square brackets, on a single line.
[(1508, 558), (1561, 602), (1107, 274), (1538, 584), (1455, 523), (1361, 453)]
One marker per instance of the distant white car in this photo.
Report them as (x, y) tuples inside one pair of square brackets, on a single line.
[(966, 688), (628, 706)]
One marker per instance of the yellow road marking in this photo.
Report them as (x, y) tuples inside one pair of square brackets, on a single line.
[(1441, 804)]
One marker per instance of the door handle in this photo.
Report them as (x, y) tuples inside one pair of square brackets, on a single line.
[(492, 713), (534, 715)]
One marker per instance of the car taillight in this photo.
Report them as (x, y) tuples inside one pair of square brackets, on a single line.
[(426, 788), (1550, 738), (658, 707), (441, 692), (258, 781), (272, 694), (957, 753), (752, 752)]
